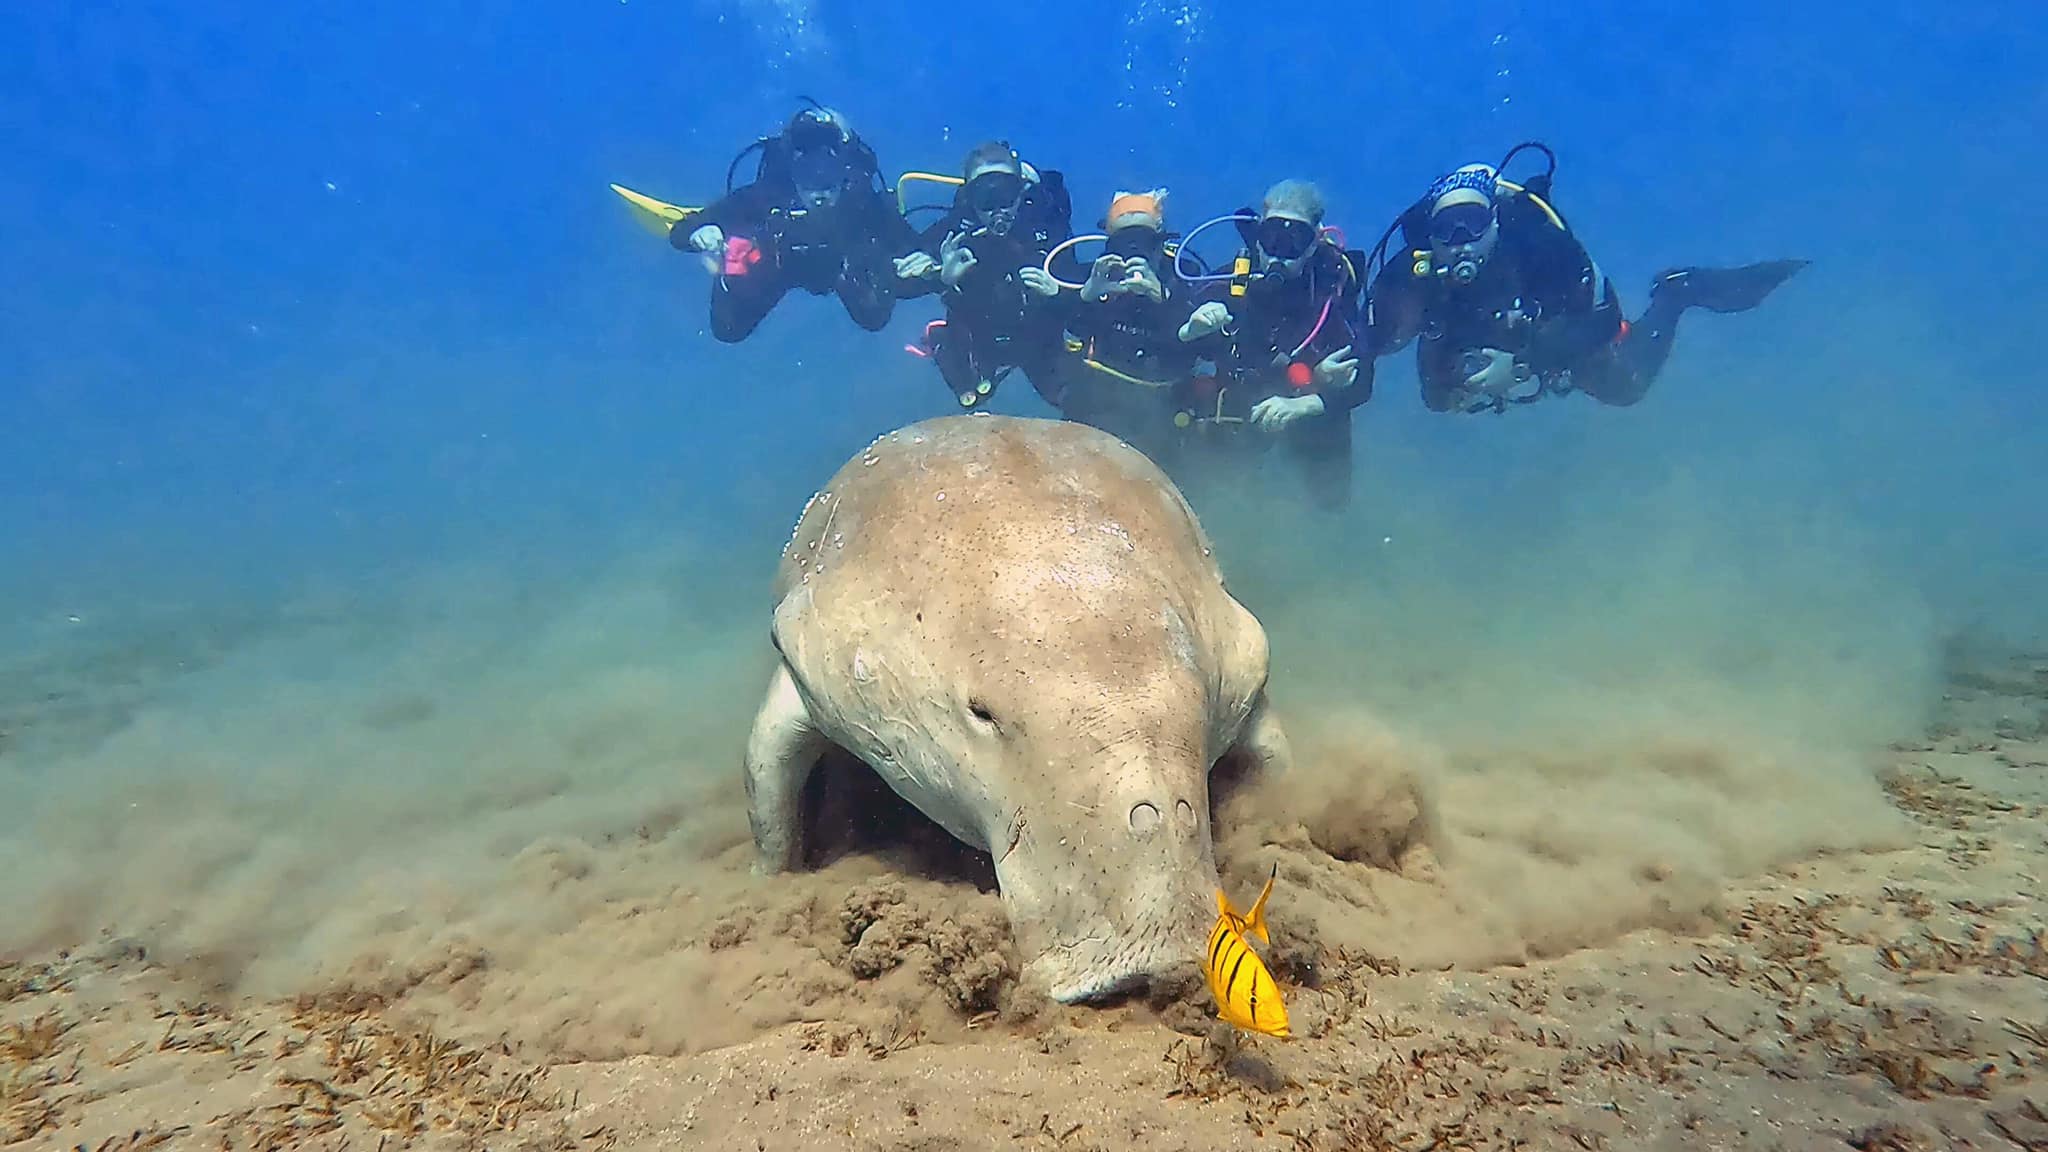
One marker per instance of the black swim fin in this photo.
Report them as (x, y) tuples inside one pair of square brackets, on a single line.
[(1725, 289)]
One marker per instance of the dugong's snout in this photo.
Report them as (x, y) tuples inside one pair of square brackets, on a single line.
[(1120, 895)]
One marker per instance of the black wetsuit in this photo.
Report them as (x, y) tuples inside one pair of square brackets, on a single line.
[(1130, 373), (847, 249), (1253, 355), (1540, 296), (993, 322)]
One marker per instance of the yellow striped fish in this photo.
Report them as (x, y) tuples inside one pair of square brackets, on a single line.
[(1246, 994)]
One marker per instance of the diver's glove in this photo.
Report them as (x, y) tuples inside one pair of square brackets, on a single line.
[(1277, 412), (1492, 372), (955, 259), (1140, 278), (1105, 279), (709, 238), (1038, 280), (1210, 317), (1337, 370), (916, 266)]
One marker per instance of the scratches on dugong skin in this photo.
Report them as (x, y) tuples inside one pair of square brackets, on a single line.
[(1179, 635), (825, 528), (1068, 574), (790, 551), (804, 544)]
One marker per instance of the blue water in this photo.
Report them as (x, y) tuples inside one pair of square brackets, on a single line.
[(335, 307), (291, 291)]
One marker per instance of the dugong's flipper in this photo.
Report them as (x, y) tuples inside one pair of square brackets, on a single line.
[(1262, 742), (781, 752)]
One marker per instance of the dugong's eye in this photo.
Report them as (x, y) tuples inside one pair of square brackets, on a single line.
[(980, 711)]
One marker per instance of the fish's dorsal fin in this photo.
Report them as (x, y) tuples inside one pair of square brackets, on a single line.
[(1255, 920), (1223, 906)]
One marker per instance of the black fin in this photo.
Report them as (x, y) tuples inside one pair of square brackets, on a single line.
[(1726, 289)]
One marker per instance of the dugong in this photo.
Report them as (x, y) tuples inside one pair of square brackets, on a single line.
[(1019, 625)]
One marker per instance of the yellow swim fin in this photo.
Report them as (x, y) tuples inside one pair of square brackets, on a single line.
[(654, 215)]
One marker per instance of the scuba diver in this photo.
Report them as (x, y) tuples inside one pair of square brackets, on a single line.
[(817, 216), (1125, 371), (987, 255), (1279, 328), (1511, 308)]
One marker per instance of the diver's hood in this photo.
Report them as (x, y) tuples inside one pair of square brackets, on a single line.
[(815, 128)]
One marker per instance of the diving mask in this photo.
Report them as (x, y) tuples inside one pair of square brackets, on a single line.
[(814, 128), (1463, 226), (819, 175), (1462, 262), (1135, 243), (1460, 224), (994, 197), (1286, 240)]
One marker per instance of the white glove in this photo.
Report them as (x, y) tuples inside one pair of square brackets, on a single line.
[(1497, 378), (1143, 280), (1038, 280), (1277, 412), (709, 238), (1104, 279), (916, 266), (1210, 317), (1337, 370), (955, 258)]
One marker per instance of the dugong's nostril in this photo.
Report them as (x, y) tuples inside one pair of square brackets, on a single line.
[(1185, 813), (1144, 818)]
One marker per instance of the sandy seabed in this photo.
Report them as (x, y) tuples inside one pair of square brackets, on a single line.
[(1889, 996)]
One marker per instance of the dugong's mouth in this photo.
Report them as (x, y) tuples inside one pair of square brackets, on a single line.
[(1098, 986), (1108, 965)]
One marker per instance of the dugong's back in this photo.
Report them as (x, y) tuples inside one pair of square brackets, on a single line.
[(955, 515)]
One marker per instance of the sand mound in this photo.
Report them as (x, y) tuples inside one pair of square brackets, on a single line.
[(1394, 846)]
